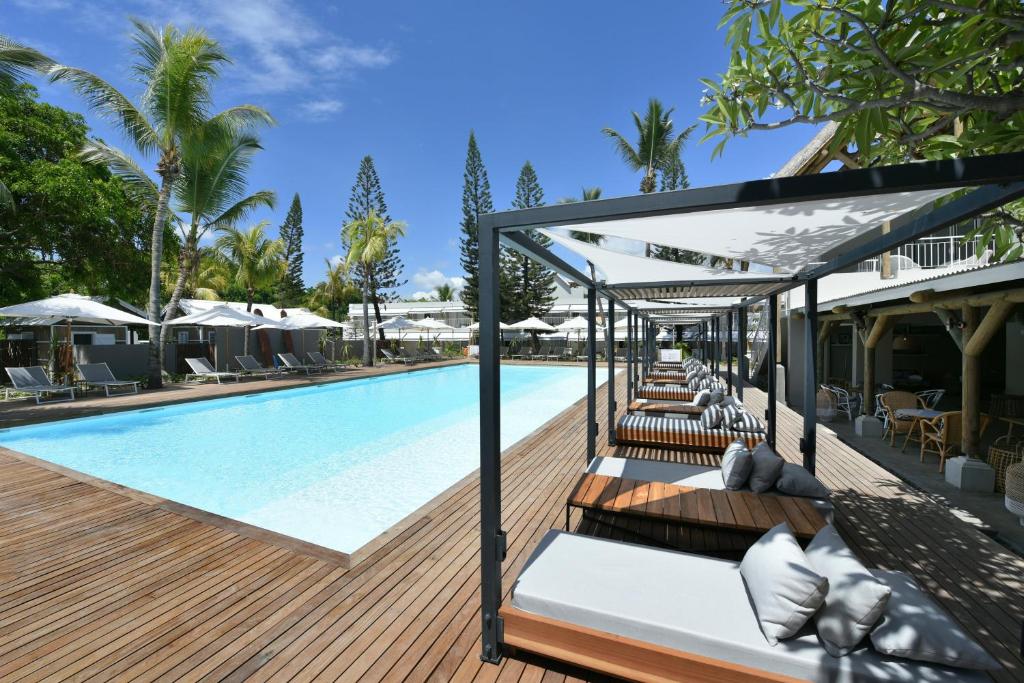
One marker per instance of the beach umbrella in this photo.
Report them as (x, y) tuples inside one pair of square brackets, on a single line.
[(68, 308), (501, 326), (437, 326), (532, 325), (399, 323), (224, 316)]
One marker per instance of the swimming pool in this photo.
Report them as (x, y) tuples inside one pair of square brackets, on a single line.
[(334, 464)]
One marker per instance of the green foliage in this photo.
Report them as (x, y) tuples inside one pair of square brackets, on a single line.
[(678, 255), (255, 261), (291, 289), (331, 297), (476, 200), (445, 292), (529, 285), (658, 147), (75, 225), (903, 80), (383, 275)]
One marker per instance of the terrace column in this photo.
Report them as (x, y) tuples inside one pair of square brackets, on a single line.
[(629, 356), (610, 359), (492, 538), (591, 372), (742, 369), (808, 444), (769, 415), (976, 336), (728, 352)]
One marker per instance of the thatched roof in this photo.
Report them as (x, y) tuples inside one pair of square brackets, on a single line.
[(812, 157)]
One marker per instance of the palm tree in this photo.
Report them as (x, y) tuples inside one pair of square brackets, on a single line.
[(368, 239), (253, 259), (16, 60), (176, 71), (337, 288), (589, 194), (445, 293), (657, 145)]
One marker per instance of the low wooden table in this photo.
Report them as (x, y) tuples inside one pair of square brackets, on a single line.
[(685, 505)]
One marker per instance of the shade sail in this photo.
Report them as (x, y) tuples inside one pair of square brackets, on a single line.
[(637, 277), (73, 307), (790, 236), (223, 316), (532, 325)]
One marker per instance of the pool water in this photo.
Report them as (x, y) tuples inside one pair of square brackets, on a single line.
[(335, 464)]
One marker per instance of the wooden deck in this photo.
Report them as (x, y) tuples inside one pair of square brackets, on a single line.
[(98, 585)]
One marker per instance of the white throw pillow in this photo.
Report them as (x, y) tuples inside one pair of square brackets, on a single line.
[(711, 417), (914, 627), (785, 589), (767, 468), (855, 600), (736, 465)]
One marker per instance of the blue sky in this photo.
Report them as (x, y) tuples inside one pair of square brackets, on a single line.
[(405, 81)]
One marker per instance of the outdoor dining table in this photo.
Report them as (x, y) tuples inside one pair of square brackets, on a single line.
[(916, 414)]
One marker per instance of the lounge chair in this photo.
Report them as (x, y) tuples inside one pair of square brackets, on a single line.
[(202, 370), (392, 358), (33, 380), (647, 614), (645, 406), (251, 366), (675, 376), (665, 392), (294, 364), (318, 360), (680, 433), (100, 375)]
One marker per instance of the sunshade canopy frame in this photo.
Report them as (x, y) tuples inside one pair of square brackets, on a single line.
[(995, 179)]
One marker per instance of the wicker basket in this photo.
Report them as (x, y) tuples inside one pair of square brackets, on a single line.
[(1003, 453), (1014, 496)]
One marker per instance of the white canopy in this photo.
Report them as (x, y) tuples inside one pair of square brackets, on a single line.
[(73, 307), (790, 236), (576, 323), (429, 323), (502, 326), (399, 322), (224, 316), (531, 325), (302, 321)]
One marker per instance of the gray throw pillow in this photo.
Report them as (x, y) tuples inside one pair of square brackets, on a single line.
[(855, 600), (692, 375), (729, 413), (914, 627), (729, 401), (767, 468), (796, 481), (702, 398), (711, 417), (784, 588), (716, 396), (736, 465), (747, 423)]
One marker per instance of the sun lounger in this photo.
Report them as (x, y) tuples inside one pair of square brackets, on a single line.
[(33, 380), (665, 392), (680, 433), (202, 370), (100, 375), (392, 358), (677, 377), (319, 360), (665, 408), (648, 614), (251, 366), (294, 364)]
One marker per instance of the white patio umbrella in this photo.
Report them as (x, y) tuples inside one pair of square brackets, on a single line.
[(399, 323), (223, 316), (68, 308), (532, 325), (501, 326)]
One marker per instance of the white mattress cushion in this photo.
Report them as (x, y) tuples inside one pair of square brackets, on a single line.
[(689, 603)]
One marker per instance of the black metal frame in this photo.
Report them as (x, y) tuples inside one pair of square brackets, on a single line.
[(728, 351), (999, 179)]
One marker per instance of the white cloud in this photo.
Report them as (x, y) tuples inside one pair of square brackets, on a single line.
[(336, 259), (423, 295), (344, 57), (318, 110), (430, 280)]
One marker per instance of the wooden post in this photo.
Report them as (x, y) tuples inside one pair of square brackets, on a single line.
[(823, 335), (885, 265), (970, 386), (875, 333)]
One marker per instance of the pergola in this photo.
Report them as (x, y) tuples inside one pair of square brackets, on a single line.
[(803, 228)]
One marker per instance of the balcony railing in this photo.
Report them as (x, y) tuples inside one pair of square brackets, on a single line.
[(932, 252)]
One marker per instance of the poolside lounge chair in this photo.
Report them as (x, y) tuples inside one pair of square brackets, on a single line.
[(680, 433), (294, 364), (33, 380), (676, 376), (642, 405), (623, 609), (319, 360), (99, 375), (392, 358), (665, 392), (202, 370), (251, 366)]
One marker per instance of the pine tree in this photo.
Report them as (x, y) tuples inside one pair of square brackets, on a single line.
[(383, 277), (530, 285), (476, 200), (291, 289)]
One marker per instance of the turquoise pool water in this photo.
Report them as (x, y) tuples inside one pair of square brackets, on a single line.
[(334, 464)]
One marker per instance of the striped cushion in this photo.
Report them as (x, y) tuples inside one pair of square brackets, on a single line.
[(711, 418), (665, 392), (692, 375), (668, 431), (668, 374), (747, 423), (702, 398), (730, 413)]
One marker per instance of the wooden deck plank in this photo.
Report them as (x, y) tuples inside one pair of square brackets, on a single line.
[(104, 586)]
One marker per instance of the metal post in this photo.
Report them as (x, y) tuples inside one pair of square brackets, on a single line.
[(773, 313), (492, 538), (808, 445), (714, 344), (591, 373), (629, 356), (728, 352), (610, 358), (742, 339)]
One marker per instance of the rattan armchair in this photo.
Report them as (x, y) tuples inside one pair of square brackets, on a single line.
[(893, 401), (943, 434)]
